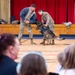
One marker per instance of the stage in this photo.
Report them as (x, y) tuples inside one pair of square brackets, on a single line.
[(59, 29), (50, 52)]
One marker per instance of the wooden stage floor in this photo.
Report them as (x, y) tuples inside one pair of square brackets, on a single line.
[(50, 52)]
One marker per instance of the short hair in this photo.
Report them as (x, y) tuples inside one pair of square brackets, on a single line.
[(6, 40), (40, 10), (33, 5)]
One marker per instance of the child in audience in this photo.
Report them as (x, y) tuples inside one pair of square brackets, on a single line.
[(33, 63), (61, 62), (69, 63)]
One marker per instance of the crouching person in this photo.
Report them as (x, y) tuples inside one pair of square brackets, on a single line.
[(49, 21)]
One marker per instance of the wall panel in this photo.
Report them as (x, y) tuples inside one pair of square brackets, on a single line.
[(5, 10)]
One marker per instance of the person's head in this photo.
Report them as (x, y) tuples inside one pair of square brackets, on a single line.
[(33, 63), (33, 7), (61, 58), (70, 57), (9, 45), (40, 12)]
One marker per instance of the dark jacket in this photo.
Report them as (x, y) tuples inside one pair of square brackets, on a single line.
[(23, 14), (7, 66), (51, 73)]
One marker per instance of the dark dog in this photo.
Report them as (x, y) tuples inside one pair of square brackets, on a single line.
[(48, 35)]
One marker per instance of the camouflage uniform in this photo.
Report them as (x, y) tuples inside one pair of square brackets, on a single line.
[(22, 25), (26, 14), (49, 21)]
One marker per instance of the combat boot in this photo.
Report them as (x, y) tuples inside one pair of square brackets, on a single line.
[(32, 43), (43, 42), (20, 41), (53, 42)]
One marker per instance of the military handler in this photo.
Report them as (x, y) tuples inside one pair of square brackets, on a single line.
[(27, 16), (49, 21)]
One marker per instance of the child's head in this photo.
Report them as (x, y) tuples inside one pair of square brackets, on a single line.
[(33, 63), (70, 57), (61, 58)]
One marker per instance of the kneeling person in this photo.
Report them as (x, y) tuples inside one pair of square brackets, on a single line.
[(48, 19)]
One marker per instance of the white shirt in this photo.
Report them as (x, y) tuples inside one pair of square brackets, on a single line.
[(58, 68), (67, 72)]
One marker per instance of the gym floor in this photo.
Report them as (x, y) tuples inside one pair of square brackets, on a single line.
[(50, 52)]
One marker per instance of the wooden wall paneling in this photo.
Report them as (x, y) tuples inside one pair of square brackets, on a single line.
[(5, 10)]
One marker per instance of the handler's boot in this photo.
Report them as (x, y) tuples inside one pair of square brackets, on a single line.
[(32, 43), (20, 41), (53, 42), (43, 42)]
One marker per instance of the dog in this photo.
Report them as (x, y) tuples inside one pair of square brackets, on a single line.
[(48, 35)]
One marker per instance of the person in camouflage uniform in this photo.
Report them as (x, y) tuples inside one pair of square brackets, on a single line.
[(49, 21), (27, 16)]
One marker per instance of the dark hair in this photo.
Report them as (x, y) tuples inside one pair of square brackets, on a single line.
[(33, 5), (40, 10), (6, 40), (33, 64)]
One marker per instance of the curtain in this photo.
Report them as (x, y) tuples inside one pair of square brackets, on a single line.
[(50, 7), (71, 11), (60, 10)]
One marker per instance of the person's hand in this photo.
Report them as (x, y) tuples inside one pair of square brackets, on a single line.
[(45, 25), (26, 21)]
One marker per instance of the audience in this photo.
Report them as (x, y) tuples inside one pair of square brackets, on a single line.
[(33, 63), (61, 62), (9, 48), (69, 61)]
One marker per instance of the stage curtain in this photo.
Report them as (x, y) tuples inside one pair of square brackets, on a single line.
[(17, 6), (50, 8), (60, 10), (71, 11)]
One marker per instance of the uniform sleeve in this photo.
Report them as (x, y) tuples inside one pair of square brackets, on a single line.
[(48, 19), (42, 21), (23, 14)]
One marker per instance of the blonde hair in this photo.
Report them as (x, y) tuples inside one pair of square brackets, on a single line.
[(61, 58), (70, 57)]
